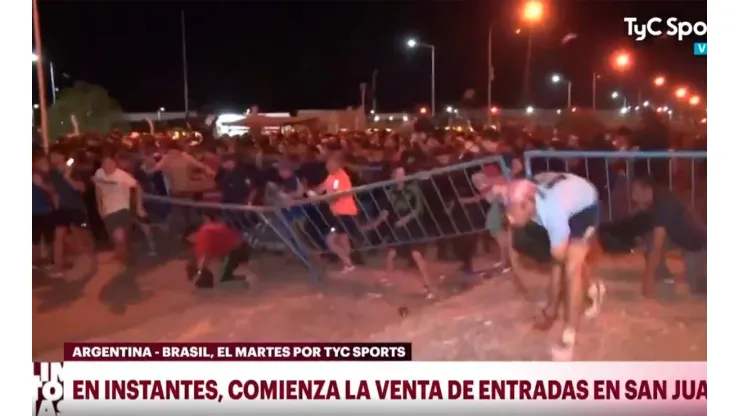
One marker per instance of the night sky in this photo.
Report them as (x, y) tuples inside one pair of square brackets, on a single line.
[(289, 55)]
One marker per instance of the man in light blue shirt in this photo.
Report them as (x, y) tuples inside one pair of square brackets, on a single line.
[(567, 207)]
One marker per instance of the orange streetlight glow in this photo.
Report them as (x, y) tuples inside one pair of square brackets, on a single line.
[(659, 81), (622, 60), (694, 100), (681, 92), (533, 11), (423, 110)]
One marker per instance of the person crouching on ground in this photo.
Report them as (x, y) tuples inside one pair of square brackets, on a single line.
[(567, 207), (215, 242), (673, 225)]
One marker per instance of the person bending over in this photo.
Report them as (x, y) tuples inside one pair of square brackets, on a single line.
[(567, 207), (214, 242)]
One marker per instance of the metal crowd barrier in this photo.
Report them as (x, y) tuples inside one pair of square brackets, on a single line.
[(442, 205), (613, 172), (437, 199)]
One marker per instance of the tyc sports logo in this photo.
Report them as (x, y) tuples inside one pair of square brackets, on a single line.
[(669, 27), (48, 388)]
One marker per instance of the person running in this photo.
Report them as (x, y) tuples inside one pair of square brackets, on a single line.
[(567, 207), (343, 209), (113, 190)]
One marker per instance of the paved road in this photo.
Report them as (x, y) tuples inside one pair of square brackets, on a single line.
[(488, 322)]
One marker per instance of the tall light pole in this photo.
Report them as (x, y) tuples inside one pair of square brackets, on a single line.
[(40, 76), (594, 77), (35, 59), (490, 73), (413, 43), (374, 86), (556, 79), (532, 13)]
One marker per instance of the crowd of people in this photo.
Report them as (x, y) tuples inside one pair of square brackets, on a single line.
[(89, 190)]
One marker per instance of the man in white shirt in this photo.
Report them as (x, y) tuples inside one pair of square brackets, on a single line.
[(113, 190)]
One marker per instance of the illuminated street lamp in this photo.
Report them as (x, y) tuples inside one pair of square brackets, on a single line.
[(694, 100), (449, 109), (616, 95), (532, 13), (413, 43), (423, 110), (681, 92), (530, 110), (659, 81), (556, 79), (622, 60), (159, 112)]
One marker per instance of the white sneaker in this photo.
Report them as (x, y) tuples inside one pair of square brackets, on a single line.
[(563, 350), (348, 268), (596, 293)]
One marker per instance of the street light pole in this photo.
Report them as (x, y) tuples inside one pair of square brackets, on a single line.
[(525, 94), (593, 90), (434, 77), (570, 89), (412, 43), (40, 76), (489, 73), (35, 58), (53, 83)]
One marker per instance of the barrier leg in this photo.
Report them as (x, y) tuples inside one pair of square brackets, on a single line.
[(292, 240)]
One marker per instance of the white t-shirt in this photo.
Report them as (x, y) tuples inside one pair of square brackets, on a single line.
[(115, 190)]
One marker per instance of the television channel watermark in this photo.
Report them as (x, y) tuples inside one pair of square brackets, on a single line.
[(671, 27)]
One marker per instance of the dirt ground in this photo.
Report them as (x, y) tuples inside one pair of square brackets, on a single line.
[(490, 321)]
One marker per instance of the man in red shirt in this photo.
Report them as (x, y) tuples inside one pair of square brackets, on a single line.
[(215, 241)]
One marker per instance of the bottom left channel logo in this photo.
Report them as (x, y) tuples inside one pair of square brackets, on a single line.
[(48, 388)]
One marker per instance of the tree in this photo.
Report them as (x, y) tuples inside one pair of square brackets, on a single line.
[(93, 109)]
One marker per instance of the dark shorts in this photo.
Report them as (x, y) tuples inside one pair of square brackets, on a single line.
[(344, 224), (71, 218), (118, 219), (532, 240), (42, 228), (583, 220)]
